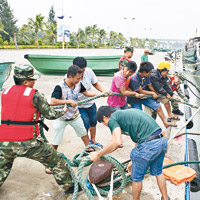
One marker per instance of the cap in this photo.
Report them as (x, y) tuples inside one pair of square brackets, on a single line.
[(25, 72), (164, 65), (146, 51), (128, 49)]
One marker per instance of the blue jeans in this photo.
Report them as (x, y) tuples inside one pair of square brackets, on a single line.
[(121, 108), (89, 116), (149, 102), (148, 154)]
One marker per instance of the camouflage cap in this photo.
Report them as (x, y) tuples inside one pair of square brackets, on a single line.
[(128, 49), (25, 72)]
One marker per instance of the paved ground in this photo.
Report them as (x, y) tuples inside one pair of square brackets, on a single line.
[(28, 181)]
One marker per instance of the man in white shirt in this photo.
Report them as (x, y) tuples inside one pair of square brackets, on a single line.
[(88, 110)]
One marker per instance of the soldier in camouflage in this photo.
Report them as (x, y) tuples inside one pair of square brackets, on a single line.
[(128, 53), (34, 148), (175, 82)]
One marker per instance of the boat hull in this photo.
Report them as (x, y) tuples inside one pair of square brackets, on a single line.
[(5, 68), (58, 65)]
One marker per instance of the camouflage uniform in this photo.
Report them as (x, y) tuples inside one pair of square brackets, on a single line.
[(123, 63), (37, 149), (123, 60), (175, 106)]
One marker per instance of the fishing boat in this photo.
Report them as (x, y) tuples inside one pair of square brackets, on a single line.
[(5, 69), (191, 53), (58, 65)]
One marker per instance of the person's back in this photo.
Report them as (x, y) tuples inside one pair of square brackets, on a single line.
[(138, 124)]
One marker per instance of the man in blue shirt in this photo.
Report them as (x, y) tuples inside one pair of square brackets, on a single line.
[(150, 148), (139, 83)]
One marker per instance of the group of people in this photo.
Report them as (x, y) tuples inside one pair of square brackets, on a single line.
[(19, 129)]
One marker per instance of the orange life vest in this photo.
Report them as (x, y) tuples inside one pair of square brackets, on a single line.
[(173, 85), (17, 114)]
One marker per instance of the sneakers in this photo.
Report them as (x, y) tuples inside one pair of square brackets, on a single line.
[(71, 189), (177, 112)]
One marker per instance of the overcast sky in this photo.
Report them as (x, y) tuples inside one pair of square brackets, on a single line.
[(176, 19)]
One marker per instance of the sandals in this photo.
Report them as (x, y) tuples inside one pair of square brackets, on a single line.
[(171, 125), (97, 144), (90, 150), (173, 118)]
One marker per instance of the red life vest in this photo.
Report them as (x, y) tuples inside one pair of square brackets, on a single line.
[(17, 105), (173, 85), (122, 58)]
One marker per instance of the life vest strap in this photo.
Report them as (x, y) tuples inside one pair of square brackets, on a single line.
[(9, 122)]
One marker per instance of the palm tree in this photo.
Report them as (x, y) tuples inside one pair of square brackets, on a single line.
[(23, 30), (36, 25), (113, 36), (2, 28), (121, 39), (94, 32), (51, 30), (102, 35), (88, 31), (79, 36)]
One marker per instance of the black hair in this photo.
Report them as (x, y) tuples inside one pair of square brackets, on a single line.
[(73, 70), (80, 61), (146, 67), (104, 111), (131, 65), (18, 81)]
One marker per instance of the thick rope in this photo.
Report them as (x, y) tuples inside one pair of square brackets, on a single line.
[(119, 94)]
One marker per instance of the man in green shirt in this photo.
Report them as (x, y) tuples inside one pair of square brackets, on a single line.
[(150, 148), (145, 56)]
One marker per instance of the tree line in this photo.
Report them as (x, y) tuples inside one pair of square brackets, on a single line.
[(39, 32)]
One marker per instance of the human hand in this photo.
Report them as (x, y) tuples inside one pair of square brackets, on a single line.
[(168, 96), (94, 156), (129, 168), (65, 109), (108, 93), (155, 96), (73, 103)]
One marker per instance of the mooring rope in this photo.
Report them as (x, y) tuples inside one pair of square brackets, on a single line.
[(82, 160)]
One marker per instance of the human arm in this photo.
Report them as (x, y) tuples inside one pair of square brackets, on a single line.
[(141, 91), (56, 98), (99, 87), (115, 142), (128, 92), (40, 102), (158, 86)]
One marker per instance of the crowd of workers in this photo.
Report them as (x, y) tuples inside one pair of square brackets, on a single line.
[(19, 129)]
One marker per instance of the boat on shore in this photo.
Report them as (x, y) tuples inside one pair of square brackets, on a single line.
[(5, 69), (191, 52), (58, 65)]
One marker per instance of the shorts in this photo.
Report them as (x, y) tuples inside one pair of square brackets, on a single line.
[(149, 102), (89, 116), (148, 154), (163, 101), (59, 129)]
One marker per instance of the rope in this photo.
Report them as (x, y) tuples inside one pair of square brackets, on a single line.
[(110, 159), (119, 94)]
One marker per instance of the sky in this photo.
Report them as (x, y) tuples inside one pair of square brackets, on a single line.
[(155, 19)]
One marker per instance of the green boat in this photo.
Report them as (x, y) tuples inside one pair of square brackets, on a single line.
[(5, 69), (58, 65)]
